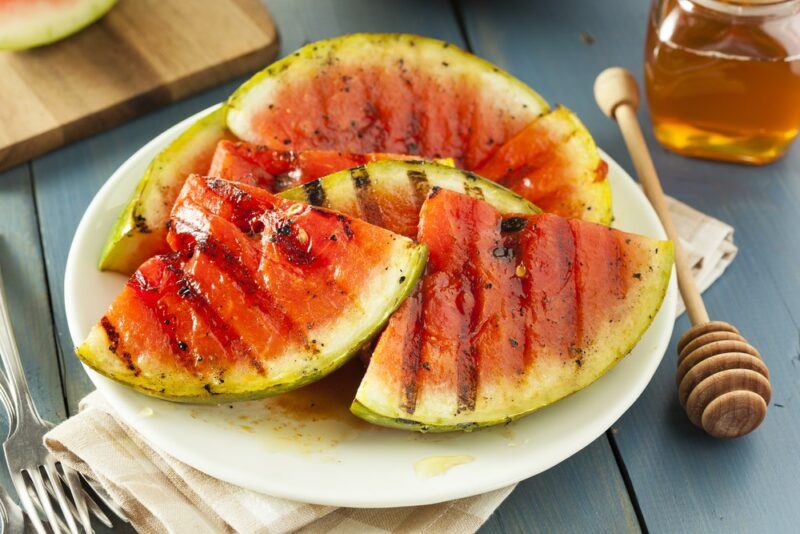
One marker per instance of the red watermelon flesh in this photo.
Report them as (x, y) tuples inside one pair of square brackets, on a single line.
[(261, 296), (278, 170), (514, 312), (554, 163)]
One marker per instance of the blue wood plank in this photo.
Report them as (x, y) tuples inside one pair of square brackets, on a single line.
[(26, 290), (582, 494), (683, 480)]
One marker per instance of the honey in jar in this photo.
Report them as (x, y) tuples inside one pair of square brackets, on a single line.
[(723, 77)]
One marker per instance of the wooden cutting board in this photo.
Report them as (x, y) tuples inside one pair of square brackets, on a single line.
[(142, 54)]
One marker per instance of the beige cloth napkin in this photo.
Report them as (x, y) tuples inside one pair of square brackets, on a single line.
[(707, 242), (161, 494)]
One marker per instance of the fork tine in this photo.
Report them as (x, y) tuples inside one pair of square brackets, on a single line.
[(101, 494), (78, 496), (44, 498), (93, 507), (26, 503), (32, 494), (58, 490)]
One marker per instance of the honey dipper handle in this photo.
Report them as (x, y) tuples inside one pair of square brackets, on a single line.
[(617, 94)]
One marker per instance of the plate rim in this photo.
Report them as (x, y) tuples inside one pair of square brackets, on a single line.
[(433, 495)]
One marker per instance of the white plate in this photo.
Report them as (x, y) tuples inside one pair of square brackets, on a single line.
[(326, 456)]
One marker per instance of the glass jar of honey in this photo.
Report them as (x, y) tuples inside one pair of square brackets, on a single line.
[(723, 77)]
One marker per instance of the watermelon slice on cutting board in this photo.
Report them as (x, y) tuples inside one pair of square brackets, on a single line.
[(261, 295), (29, 23), (514, 313)]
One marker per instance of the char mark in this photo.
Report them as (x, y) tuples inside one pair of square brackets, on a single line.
[(367, 203), (467, 362), (360, 177), (315, 193), (513, 224), (246, 208), (412, 352), (420, 184), (111, 334)]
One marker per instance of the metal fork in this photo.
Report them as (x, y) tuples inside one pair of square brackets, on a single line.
[(27, 457)]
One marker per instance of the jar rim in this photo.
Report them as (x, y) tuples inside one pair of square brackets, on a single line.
[(749, 8)]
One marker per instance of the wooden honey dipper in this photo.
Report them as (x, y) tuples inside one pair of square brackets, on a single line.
[(723, 384)]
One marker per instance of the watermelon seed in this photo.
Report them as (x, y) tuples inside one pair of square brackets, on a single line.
[(520, 271), (402, 279)]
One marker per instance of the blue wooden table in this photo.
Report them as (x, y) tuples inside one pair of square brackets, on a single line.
[(652, 470)]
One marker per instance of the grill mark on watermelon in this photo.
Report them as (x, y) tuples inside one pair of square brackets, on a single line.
[(548, 245), (184, 286), (412, 352), (467, 358), (469, 188), (368, 205), (113, 345), (315, 193), (188, 289), (510, 234), (576, 347), (246, 208), (420, 185), (286, 236), (147, 292), (225, 260), (512, 225), (111, 334)]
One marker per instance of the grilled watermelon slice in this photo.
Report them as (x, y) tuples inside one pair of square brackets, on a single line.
[(29, 23), (262, 296), (390, 194), (278, 170), (514, 312), (140, 231), (554, 163), (394, 93)]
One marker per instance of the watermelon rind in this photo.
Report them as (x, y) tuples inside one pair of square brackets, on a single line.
[(592, 194), (363, 49), (393, 176), (381, 296), (29, 24), (140, 230), (544, 387)]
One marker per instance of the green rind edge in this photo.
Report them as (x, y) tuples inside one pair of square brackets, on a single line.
[(126, 246)]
